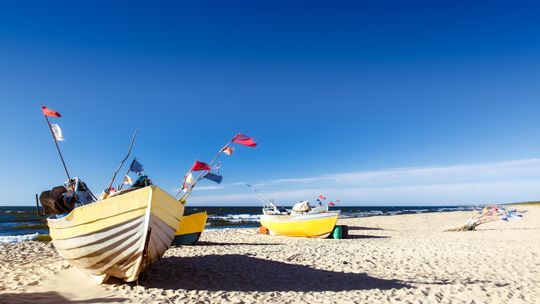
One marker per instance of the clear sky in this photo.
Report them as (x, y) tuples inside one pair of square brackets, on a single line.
[(370, 102)]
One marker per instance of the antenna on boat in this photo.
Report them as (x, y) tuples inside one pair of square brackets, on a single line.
[(123, 160), (262, 198)]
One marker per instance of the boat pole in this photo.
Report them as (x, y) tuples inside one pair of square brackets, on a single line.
[(202, 174), (57, 147), (123, 160)]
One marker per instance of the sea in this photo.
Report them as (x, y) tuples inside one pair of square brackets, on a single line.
[(22, 223)]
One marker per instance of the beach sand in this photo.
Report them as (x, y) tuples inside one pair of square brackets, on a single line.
[(387, 259)]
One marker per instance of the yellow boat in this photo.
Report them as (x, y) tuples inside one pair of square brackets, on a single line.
[(318, 225), (190, 229), (119, 236)]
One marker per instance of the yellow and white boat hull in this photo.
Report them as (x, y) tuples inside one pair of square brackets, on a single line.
[(119, 236), (318, 225)]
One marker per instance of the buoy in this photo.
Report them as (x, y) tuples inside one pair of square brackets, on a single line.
[(337, 233), (262, 230)]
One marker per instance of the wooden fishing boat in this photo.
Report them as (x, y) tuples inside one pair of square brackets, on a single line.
[(190, 229), (318, 225), (119, 236)]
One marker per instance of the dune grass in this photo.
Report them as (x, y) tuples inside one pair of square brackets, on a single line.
[(525, 204)]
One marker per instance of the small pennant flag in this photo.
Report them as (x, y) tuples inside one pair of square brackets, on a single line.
[(228, 150), (217, 167), (214, 177), (136, 167), (127, 180), (189, 178), (200, 166), (57, 132), (322, 197), (244, 140), (48, 112)]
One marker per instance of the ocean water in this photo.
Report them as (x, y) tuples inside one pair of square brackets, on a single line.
[(22, 223)]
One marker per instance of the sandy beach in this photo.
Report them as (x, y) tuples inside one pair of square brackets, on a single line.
[(387, 259)]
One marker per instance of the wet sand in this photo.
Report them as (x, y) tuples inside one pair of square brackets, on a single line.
[(387, 259)]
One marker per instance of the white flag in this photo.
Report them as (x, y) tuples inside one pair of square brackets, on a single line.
[(127, 180), (189, 178), (57, 132), (217, 166)]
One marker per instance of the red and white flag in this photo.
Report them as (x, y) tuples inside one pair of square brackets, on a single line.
[(49, 112), (127, 180), (244, 140), (228, 150)]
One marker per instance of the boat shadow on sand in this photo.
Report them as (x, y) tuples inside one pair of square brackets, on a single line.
[(366, 236), (207, 243), (364, 228), (234, 272)]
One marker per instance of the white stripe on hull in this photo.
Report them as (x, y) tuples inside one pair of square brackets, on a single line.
[(118, 251)]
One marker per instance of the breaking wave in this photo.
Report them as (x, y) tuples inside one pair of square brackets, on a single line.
[(12, 239)]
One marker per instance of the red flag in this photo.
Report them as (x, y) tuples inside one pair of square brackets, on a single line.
[(322, 197), (48, 112), (200, 166), (228, 150), (244, 140), (331, 204)]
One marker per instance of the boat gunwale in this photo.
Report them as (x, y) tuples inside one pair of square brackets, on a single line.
[(93, 206), (298, 217)]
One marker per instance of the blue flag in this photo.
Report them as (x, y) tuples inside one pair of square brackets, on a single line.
[(136, 166), (213, 177)]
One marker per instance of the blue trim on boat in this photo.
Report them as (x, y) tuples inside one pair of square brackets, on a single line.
[(186, 239)]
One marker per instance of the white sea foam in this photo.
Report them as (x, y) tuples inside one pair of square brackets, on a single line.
[(11, 239), (236, 218)]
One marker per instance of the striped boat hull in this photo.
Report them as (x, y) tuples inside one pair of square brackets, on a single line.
[(119, 236)]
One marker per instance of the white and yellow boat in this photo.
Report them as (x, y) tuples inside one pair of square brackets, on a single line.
[(119, 236), (190, 229), (318, 225)]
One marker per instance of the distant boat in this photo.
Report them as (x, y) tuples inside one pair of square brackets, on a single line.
[(315, 225), (302, 220), (190, 229), (119, 236)]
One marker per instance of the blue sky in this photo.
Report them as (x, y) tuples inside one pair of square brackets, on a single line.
[(373, 102)]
